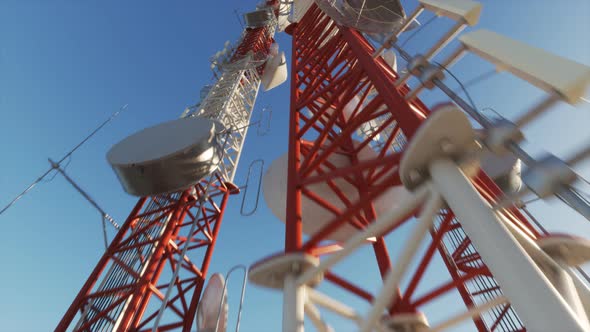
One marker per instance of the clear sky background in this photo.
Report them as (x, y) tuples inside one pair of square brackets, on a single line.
[(66, 65)]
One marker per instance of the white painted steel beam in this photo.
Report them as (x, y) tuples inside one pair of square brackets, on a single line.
[(555, 272), (293, 305), (457, 10), (332, 305), (393, 279), (537, 302), (471, 313), (313, 313)]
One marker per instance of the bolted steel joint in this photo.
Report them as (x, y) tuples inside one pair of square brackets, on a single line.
[(429, 74), (548, 176), (501, 134), (390, 41), (416, 64)]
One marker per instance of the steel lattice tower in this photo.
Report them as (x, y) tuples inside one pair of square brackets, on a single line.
[(327, 78), (176, 233), (339, 84)]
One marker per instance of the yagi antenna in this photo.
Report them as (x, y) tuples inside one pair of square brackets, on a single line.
[(105, 216), (40, 178)]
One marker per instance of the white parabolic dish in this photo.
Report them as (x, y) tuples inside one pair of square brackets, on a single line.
[(208, 311), (275, 71), (315, 217), (167, 157)]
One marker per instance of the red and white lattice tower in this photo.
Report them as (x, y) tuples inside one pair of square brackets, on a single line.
[(175, 234), (367, 159)]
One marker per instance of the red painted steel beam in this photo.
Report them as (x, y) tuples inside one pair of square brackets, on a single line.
[(79, 301), (324, 79)]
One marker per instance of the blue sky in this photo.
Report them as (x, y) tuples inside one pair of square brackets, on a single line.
[(66, 65)]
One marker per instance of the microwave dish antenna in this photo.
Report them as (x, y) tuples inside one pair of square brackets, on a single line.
[(368, 16), (168, 157), (213, 308)]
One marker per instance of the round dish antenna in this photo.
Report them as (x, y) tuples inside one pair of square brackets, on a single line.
[(275, 71), (168, 157), (369, 16), (209, 311)]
